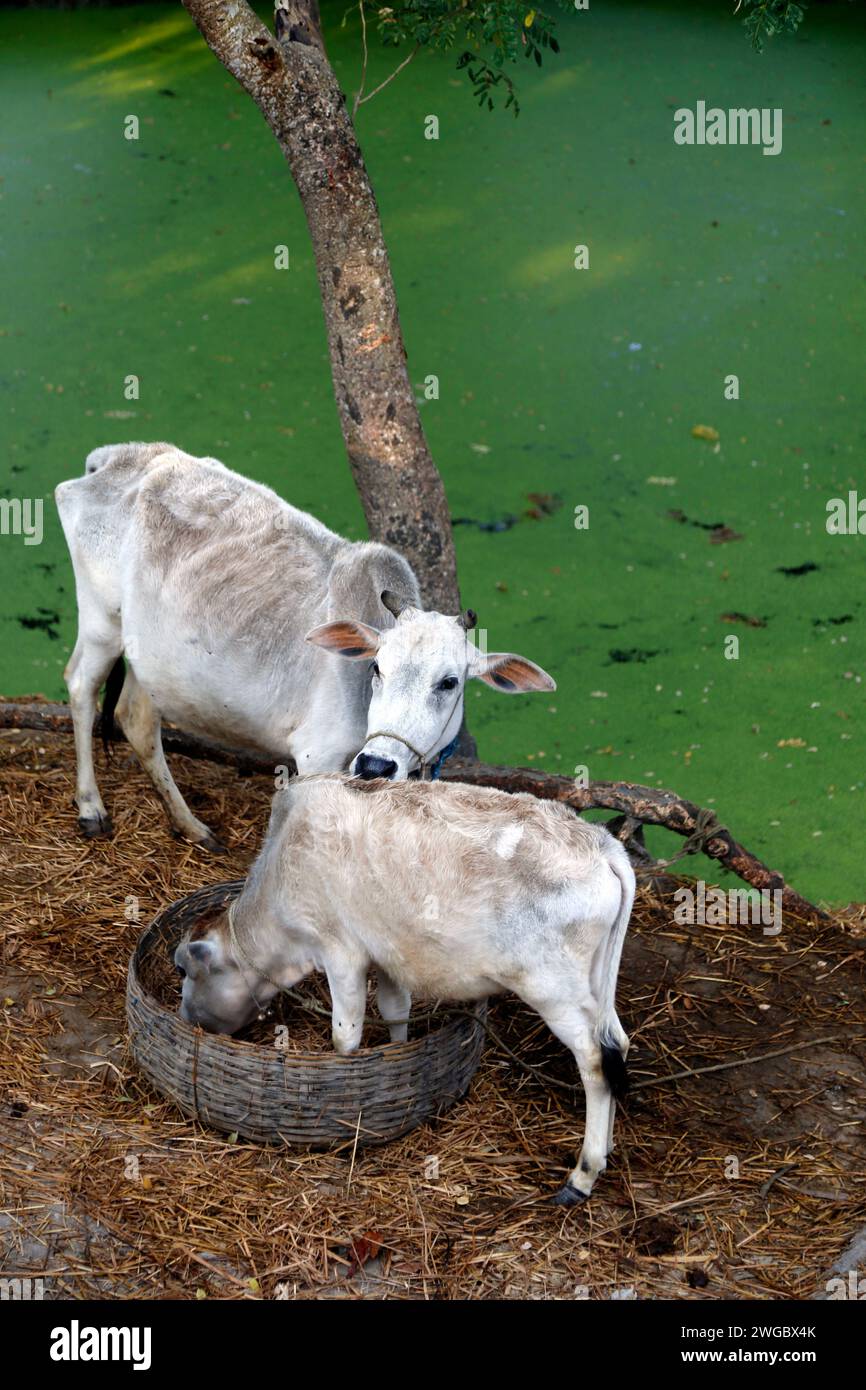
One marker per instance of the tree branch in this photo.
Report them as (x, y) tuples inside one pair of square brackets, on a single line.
[(406, 61), (360, 92), (649, 805), (233, 32)]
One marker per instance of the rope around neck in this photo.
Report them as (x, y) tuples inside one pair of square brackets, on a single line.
[(424, 758), (240, 954), (424, 763)]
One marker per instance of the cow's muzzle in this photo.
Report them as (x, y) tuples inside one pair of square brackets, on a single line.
[(367, 766)]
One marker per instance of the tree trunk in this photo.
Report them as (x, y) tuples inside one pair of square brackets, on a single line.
[(295, 88)]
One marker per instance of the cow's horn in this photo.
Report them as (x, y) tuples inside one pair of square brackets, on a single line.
[(393, 602), (468, 619)]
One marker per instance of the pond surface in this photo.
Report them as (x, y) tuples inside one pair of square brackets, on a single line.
[(559, 388)]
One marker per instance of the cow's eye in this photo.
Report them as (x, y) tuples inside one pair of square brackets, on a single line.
[(449, 683), (375, 669), (181, 972)]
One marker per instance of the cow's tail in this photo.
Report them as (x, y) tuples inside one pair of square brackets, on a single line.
[(611, 1036), (108, 729)]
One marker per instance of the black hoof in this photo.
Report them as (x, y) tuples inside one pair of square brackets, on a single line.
[(95, 827), (213, 845), (569, 1197)]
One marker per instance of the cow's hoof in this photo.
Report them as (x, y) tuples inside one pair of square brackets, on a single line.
[(95, 827), (569, 1197), (213, 845)]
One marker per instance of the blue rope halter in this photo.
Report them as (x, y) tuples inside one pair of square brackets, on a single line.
[(436, 768)]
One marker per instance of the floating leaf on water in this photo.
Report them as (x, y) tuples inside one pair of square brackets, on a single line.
[(743, 618)]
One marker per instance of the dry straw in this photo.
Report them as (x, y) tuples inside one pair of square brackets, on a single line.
[(743, 1183)]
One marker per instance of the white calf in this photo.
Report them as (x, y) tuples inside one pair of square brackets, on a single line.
[(450, 892)]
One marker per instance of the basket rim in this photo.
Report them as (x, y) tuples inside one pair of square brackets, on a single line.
[(391, 1052)]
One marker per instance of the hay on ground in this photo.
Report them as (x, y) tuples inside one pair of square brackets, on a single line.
[(747, 1182)]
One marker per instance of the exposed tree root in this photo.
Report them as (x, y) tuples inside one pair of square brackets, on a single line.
[(636, 805)]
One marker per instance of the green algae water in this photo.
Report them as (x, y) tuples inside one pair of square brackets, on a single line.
[(558, 388)]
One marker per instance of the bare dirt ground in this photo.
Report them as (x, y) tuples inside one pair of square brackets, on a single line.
[(746, 1182)]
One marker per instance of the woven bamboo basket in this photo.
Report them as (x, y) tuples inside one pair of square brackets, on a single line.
[(309, 1099)]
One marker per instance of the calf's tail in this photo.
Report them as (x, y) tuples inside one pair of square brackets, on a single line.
[(611, 1037)]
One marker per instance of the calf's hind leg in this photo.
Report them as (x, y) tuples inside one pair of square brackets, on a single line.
[(596, 1138), (576, 1028), (139, 719)]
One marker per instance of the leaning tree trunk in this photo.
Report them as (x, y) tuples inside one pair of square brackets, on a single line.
[(295, 88)]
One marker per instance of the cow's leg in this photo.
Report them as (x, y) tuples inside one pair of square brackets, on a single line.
[(574, 1026), (394, 1004), (139, 718), (347, 981), (90, 663)]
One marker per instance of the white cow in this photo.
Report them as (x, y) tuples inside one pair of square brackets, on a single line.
[(451, 892), (209, 585)]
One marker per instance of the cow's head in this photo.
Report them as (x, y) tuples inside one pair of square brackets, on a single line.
[(221, 992), (419, 668)]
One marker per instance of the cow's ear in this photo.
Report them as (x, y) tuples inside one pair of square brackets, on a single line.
[(346, 638), (512, 674)]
